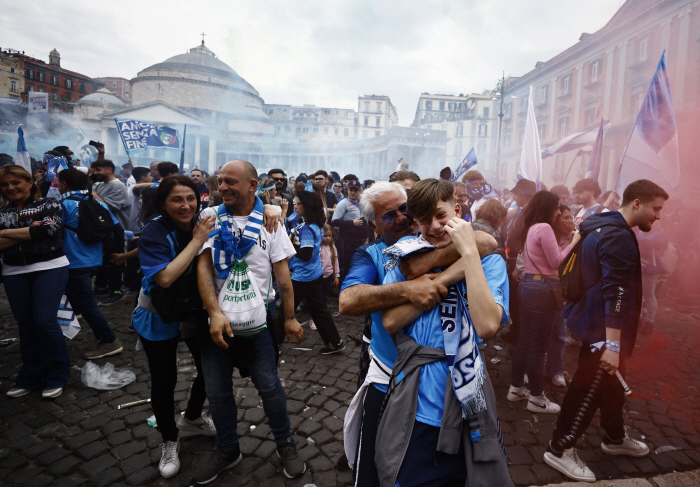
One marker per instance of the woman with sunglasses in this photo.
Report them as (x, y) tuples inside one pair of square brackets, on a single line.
[(307, 277)]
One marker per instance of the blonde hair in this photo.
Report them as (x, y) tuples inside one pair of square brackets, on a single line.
[(212, 183), (18, 172)]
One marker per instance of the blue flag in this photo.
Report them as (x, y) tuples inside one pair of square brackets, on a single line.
[(22, 158), (593, 169), (652, 151), (468, 162), (139, 136)]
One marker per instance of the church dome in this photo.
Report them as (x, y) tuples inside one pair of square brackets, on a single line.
[(102, 97), (200, 60)]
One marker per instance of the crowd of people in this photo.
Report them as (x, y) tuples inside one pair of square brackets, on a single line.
[(224, 262)]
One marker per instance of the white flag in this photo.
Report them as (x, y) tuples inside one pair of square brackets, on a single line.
[(531, 155)]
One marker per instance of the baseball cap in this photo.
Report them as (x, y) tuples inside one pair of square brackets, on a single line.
[(524, 186), (354, 183)]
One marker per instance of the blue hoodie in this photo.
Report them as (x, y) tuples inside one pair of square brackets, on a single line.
[(612, 275)]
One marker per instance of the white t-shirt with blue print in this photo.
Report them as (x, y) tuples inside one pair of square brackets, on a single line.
[(427, 331)]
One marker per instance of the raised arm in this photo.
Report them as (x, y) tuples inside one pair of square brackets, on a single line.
[(174, 269)]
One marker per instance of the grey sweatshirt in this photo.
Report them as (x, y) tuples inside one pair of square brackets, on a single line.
[(116, 197)]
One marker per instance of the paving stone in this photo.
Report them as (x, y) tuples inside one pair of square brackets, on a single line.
[(38, 448), (82, 440), (325, 479), (97, 465), (92, 450), (107, 477), (126, 450), (134, 463), (21, 476), (248, 444), (518, 455), (300, 395), (112, 426), (255, 415), (308, 427), (266, 449), (333, 424), (119, 438), (64, 466), (134, 419), (50, 456), (143, 476)]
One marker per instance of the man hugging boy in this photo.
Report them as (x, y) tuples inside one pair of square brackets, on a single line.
[(439, 423)]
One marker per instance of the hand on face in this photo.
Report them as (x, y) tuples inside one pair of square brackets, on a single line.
[(462, 235)]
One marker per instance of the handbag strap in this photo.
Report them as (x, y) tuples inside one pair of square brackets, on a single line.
[(528, 256)]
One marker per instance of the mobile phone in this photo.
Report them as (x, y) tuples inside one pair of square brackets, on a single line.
[(94, 144)]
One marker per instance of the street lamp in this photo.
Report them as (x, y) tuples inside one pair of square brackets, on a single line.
[(500, 90)]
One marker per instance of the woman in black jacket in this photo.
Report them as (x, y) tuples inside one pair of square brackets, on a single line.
[(35, 272)]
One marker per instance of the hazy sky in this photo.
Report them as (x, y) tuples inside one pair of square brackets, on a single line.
[(318, 52)]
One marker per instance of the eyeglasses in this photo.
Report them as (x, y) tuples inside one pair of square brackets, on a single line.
[(280, 179), (339, 186), (389, 217), (319, 180)]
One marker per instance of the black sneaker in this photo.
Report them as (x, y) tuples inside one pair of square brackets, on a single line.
[(113, 297), (293, 465), (331, 350), (100, 292), (216, 464)]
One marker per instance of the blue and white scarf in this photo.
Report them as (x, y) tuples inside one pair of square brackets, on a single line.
[(68, 194), (461, 341), (228, 248)]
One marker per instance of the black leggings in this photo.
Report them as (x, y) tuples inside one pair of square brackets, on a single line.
[(162, 362), (312, 292)]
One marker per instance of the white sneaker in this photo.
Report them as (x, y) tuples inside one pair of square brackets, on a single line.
[(52, 393), (541, 404), (629, 446), (525, 379), (203, 425), (17, 392), (570, 465), (169, 461), (559, 380), (518, 393)]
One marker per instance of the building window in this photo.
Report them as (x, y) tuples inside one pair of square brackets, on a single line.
[(481, 149), (69, 84), (365, 134), (594, 71), (315, 131), (590, 116), (30, 74), (306, 130), (428, 105), (30, 87), (544, 91), (442, 106), (114, 84), (508, 110), (287, 129), (483, 130), (523, 103), (41, 89), (13, 85), (42, 77), (366, 106), (335, 131), (270, 111), (366, 121), (377, 133), (458, 149), (451, 106), (325, 131), (459, 132), (485, 112), (565, 84), (279, 129), (563, 126), (346, 132), (82, 88), (506, 141), (642, 49), (54, 80), (297, 130), (55, 92), (378, 121), (68, 97), (379, 107)]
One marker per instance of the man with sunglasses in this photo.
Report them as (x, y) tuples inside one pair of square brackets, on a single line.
[(321, 177), (362, 293), (280, 179), (354, 230), (338, 191)]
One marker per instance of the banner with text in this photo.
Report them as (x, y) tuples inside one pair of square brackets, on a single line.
[(138, 135), (38, 112)]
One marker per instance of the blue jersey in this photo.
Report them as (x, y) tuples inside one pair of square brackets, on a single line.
[(79, 253), (367, 267), (427, 331), (306, 271)]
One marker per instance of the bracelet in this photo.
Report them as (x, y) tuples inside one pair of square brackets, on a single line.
[(612, 345)]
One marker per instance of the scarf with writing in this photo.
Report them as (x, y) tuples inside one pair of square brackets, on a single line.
[(228, 248), (461, 341)]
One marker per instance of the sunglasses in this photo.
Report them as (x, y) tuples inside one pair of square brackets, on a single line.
[(389, 217), (280, 179)]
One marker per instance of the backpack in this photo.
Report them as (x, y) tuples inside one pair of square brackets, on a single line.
[(94, 221), (571, 274)]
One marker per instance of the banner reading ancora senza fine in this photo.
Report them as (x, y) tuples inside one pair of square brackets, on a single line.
[(138, 135)]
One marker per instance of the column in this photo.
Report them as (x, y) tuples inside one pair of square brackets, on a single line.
[(212, 155), (683, 34), (552, 112), (579, 87), (620, 89), (197, 151), (607, 109), (120, 144)]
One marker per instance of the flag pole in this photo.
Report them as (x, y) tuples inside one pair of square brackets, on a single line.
[(571, 166), (622, 159), (182, 154)]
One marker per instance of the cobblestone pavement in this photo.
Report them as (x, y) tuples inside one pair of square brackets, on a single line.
[(81, 438)]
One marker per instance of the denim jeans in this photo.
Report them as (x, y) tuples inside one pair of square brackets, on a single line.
[(537, 313), (79, 293), (34, 299), (555, 348), (217, 365)]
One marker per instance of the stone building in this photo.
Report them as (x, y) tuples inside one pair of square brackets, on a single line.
[(119, 87), (11, 75), (468, 120), (376, 116), (606, 75), (309, 122)]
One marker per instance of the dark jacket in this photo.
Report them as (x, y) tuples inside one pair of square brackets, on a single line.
[(47, 238), (612, 275)]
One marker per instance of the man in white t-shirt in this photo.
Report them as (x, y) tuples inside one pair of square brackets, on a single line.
[(585, 193), (238, 182)]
